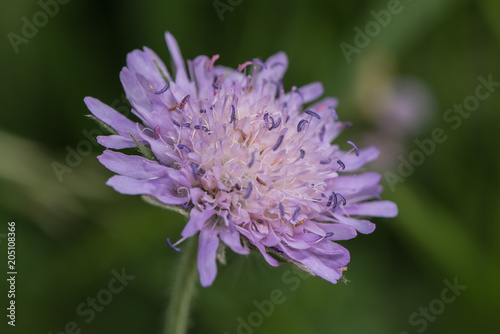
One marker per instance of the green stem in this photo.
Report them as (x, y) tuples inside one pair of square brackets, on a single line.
[(183, 289)]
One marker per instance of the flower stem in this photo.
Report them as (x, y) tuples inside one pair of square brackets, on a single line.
[(183, 289)]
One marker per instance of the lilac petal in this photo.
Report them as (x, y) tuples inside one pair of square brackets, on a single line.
[(340, 231), (135, 92), (110, 116), (232, 239), (311, 91), (196, 221), (277, 65), (163, 189), (143, 62), (180, 76), (353, 162), (132, 165), (356, 182), (376, 209), (361, 225), (207, 253), (116, 142)]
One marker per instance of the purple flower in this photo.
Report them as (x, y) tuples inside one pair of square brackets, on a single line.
[(238, 155)]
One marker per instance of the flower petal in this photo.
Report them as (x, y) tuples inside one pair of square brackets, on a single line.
[(110, 116), (375, 209), (196, 221), (207, 253)]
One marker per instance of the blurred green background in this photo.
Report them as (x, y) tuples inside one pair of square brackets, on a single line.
[(72, 234)]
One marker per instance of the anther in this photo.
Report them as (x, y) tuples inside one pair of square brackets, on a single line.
[(301, 125), (354, 146), (312, 113), (249, 190), (278, 143), (163, 90), (341, 164)]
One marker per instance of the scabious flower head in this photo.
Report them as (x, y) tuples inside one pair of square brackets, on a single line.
[(242, 158)]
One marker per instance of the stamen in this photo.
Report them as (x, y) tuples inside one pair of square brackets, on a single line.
[(355, 147), (335, 201), (243, 135), (296, 213), (259, 62), (341, 164), (344, 202), (172, 246), (278, 143), (325, 162), (184, 125), (210, 64), (203, 111), (301, 125), (252, 159), (234, 118), (194, 169), (322, 133), (278, 122), (157, 132), (335, 116), (218, 82), (287, 118), (302, 153), (163, 90), (183, 102), (260, 181), (328, 234), (173, 107), (272, 123), (245, 64), (282, 209), (312, 113), (266, 120), (249, 190), (237, 186), (300, 94), (187, 148)]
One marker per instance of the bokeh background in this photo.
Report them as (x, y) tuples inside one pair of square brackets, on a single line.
[(73, 230)]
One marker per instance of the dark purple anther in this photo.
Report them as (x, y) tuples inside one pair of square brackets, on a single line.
[(194, 169), (325, 162), (249, 190), (355, 147), (266, 120), (183, 102), (203, 111), (278, 122), (302, 153), (259, 62), (163, 90), (322, 133), (341, 164), (296, 213), (237, 186), (344, 202), (187, 148), (300, 94), (172, 246), (157, 132), (233, 115), (312, 113), (301, 125), (278, 143), (282, 209), (335, 116), (252, 159), (272, 123)]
